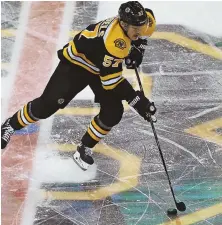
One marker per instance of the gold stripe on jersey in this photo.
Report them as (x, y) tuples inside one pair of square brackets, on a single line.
[(27, 115), (66, 55), (81, 55), (75, 56), (112, 86), (114, 33), (19, 119), (99, 129), (93, 136), (90, 34), (111, 76), (111, 81)]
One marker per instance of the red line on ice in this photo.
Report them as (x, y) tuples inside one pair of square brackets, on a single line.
[(35, 65)]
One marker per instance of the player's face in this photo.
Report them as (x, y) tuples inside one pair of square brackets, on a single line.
[(134, 32)]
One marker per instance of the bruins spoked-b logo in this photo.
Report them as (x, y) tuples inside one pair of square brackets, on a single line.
[(120, 43), (61, 101)]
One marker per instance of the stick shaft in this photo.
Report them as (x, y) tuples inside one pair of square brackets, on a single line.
[(156, 138)]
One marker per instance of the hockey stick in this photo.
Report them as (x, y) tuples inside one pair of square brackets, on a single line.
[(180, 205)]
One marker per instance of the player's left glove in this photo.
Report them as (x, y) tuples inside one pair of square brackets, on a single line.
[(136, 54), (142, 105)]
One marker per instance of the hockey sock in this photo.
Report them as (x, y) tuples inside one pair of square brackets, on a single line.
[(95, 132), (23, 117)]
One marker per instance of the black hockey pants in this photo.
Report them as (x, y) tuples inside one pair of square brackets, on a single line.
[(65, 83)]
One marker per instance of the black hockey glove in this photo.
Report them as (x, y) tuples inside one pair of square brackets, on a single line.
[(136, 54), (142, 105)]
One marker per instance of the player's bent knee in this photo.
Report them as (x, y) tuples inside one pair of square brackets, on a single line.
[(112, 116), (116, 117), (43, 108)]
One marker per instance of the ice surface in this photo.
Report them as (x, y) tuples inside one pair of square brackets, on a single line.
[(127, 185)]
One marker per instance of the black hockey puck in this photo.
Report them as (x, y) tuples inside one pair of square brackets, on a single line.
[(172, 212)]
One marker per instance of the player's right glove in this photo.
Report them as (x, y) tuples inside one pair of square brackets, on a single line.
[(142, 105)]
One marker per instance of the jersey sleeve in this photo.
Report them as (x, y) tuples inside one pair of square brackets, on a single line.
[(116, 46), (112, 79), (111, 71)]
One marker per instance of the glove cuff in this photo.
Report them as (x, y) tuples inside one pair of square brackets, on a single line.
[(134, 98)]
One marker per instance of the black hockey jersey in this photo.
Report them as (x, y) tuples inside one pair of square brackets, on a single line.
[(101, 49)]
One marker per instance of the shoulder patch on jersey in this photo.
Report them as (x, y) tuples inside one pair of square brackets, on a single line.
[(116, 42), (120, 43)]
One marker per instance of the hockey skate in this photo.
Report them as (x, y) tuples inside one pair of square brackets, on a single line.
[(83, 157), (6, 132)]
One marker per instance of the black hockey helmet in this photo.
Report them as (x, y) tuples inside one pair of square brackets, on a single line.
[(133, 13)]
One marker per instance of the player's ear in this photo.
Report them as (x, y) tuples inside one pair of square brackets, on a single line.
[(124, 25)]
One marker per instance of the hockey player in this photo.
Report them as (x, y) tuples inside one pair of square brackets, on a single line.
[(94, 57)]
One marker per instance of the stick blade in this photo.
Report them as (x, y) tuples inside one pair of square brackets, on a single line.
[(181, 206)]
